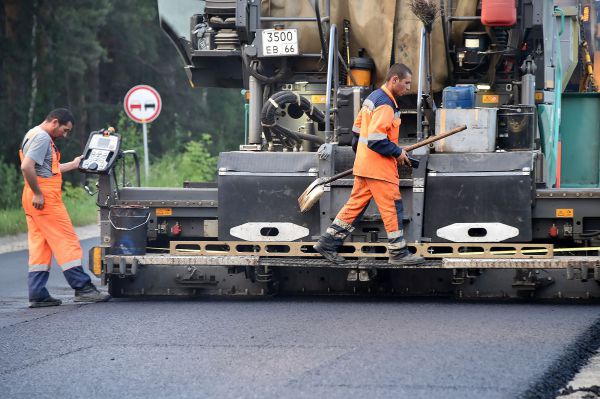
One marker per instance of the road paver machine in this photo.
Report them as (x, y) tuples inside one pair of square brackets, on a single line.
[(509, 208)]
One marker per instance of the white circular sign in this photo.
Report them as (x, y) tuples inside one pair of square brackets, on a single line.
[(142, 104)]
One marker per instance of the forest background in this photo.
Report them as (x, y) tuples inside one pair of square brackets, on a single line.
[(85, 55)]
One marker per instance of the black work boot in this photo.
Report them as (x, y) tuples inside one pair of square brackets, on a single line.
[(42, 303), (90, 293), (329, 254), (403, 257), (327, 246)]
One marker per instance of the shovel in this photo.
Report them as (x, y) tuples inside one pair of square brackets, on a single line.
[(315, 190)]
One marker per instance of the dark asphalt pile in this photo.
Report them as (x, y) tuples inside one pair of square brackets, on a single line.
[(574, 357)]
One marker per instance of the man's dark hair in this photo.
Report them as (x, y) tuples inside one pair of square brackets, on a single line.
[(400, 70), (63, 115)]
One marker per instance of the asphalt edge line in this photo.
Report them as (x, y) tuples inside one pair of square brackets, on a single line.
[(36, 362), (563, 370), (59, 309)]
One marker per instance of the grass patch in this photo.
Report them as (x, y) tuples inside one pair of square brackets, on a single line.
[(81, 207), (83, 211), (12, 221)]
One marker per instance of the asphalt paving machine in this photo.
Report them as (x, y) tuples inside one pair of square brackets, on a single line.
[(509, 208)]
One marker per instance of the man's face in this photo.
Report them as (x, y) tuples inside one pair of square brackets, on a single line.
[(400, 86), (59, 130)]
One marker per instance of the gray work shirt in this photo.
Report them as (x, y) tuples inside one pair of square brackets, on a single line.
[(39, 148)]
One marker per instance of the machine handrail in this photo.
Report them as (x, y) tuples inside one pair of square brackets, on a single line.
[(557, 96), (137, 167), (332, 80)]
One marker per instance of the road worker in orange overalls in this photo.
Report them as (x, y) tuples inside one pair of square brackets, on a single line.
[(376, 130), (50, 231)]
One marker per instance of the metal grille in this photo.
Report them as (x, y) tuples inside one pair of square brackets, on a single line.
[(363, 250)]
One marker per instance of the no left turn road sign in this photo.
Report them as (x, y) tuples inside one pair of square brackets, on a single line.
[(142, 104)]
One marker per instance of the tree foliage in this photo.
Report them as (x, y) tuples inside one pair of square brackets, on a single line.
[(12, 184), (85, 55), (197, 163), (194, 164)]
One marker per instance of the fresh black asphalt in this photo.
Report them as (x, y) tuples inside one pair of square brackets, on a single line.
[(285, 347)]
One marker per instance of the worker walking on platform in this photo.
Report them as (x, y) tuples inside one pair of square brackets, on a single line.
[(50, 231), (376, 131)]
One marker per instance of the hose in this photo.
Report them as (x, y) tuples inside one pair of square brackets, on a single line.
[(282, 98), (320, 29), (281, 73), (279, 101)]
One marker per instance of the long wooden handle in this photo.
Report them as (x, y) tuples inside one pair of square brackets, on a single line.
[(338, 176), (421, 143), (431, 139)]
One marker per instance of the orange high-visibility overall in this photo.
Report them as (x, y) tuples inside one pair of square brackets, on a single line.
[(375, 170), (50, 229), (378, 122)]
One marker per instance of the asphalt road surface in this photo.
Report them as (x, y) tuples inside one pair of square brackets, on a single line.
[(285, 347)]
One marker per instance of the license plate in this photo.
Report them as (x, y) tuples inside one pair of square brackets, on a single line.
[(278, 42)]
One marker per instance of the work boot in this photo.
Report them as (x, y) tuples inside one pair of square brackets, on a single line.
[(42, 303), (90, 293), (327, 246), (333, 238), (404, 257), (329, 254)]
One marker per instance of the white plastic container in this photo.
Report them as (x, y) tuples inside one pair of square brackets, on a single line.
[(480, 135)]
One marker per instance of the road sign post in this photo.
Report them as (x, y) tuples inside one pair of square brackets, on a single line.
[(143, 105), (146, 157)]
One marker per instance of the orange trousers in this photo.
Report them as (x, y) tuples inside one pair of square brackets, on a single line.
[(388, 200), (50, 229), (386, 196)]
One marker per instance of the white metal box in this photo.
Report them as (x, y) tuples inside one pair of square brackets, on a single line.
[(480, 135)]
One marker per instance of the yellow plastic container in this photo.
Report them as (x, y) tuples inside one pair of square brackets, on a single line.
[(361, 76), (362, 70)]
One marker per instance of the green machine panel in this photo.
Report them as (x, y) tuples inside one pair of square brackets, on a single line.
[(580, 137)]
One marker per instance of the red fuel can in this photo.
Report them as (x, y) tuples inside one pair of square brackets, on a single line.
[(498, 12)]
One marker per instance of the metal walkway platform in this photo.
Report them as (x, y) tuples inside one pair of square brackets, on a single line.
[(557, 262)]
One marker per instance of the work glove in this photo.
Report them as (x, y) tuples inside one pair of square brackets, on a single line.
[(354, 143)]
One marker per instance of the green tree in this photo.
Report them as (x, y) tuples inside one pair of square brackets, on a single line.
[(12, 186), (197, 163), (88, 53), (194, 164)]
